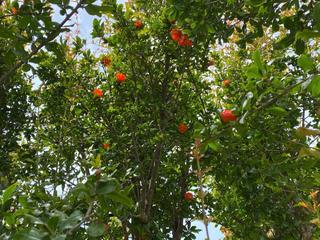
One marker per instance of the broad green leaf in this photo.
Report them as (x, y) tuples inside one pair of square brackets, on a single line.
[(96, 229), (300, 46), (305, 62), (98, 10), (277, 110), (34, 234), (314, 86), (8, 192), (121, 198), (316, 13), (258, 61), (307, 34), (213, 145), (253, 72), (106, 187), (59, 237)]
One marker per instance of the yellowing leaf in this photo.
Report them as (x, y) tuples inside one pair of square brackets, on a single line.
[(307, 132), (302, 204), (315, 221), (309, 152), (96, 163)]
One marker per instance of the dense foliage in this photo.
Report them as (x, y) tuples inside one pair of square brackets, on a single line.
[(196, 109)]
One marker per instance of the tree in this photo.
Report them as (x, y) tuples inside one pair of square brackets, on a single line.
[(141, 141)]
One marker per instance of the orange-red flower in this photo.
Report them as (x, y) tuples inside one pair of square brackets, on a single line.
[(182, 128), (106, 61), (228, 116), (138, 24), (120, 77), (188, 196), (14, 11), (97, 92), (106, 146)]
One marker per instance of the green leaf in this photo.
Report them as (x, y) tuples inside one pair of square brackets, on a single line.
[(96, 229), (258, 61), (316, 13), (8, 193), (314, 86), (98, 10), (32, 235), (300, 46), (277, 110), (253, 72), (305, 62), (106, 187), (213, 145), (307, 34), (121, 198), (285, 42), (59, 237)]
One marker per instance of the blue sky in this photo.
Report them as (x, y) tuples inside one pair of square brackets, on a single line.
[(85, 26)]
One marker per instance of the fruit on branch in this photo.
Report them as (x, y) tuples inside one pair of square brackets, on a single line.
[(184, 41), (228, 116), (175, 34), (226, 83), (188, 196)]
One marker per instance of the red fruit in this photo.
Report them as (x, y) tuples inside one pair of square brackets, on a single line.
[(182, 128), (138, 24), (97, 92), (185, 41), (98, 173), (227, 116), (188, 43), (106, 61), (188, 196), (120, 77), (106, 146), (182, 40), (226, 83), (175, 34)]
